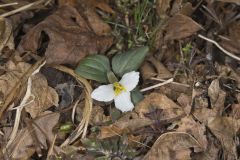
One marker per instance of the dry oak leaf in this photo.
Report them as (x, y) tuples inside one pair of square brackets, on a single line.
[(197, 130), (225, 129), (23, 145), (170, 109), (70, 38), (173, 146), (43, 96), (180, 26)]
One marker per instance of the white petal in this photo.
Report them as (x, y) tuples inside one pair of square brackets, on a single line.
[(123, 102), (103, 93), (130, 80)]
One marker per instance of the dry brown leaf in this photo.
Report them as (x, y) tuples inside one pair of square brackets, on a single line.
[(126, 124), (98, 117), (162, 71), (225, 129), (147, 71), (230, 1), (197, 130), (43, 96), (236, 111), (162, 6), (6, 34), (180, 26), (173, 146), (170, 110), (231, 42), (202, 114), (89, 8), (217, 97), (185, 102), (23, 145), (71, 39), (213, 91), (212, 152), (8, 80)]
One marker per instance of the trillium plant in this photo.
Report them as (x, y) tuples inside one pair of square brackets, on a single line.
[(118, 91), (124, 66)]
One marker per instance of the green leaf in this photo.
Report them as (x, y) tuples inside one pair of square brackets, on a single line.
[(136, 96), (128, 61), (94, 67)]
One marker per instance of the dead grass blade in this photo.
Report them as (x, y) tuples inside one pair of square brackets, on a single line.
[(23, 103), (82, 127), (22, 8)]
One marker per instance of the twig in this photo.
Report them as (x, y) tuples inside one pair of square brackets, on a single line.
[(22, 104), (22, 8), (157, 85), (8, 4), (176, 83), (50, 150), (221, 48)]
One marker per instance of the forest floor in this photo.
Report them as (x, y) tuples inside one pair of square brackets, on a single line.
[(120, 79)]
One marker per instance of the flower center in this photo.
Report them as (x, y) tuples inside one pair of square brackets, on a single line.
[(118, 88)]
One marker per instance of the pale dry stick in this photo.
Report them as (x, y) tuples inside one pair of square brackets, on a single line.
[(82, 127), (219, 47), (74, 110), (22, 8), (8, 4), (22, 104), (50, 150), (157, 85), (176, 83)]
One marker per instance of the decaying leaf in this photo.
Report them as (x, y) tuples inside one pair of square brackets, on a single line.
[(162, 71), (170, 110), (43, 96), (89, 8), (147, 71), (6, 35), (71, 38), (162, 7), (126, 124), (185, 102), (98, 117), (225, 129), (231, 42), (217, 96), (197, 130), (180, 26), (24, 144), (230, 1), (213, 91), (211, 153), (173, 146), (202, 114), (15, 71)]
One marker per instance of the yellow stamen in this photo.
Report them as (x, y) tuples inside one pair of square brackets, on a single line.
[(118, 88)]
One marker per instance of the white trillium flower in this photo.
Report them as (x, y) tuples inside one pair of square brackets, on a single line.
[(118, 91)]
